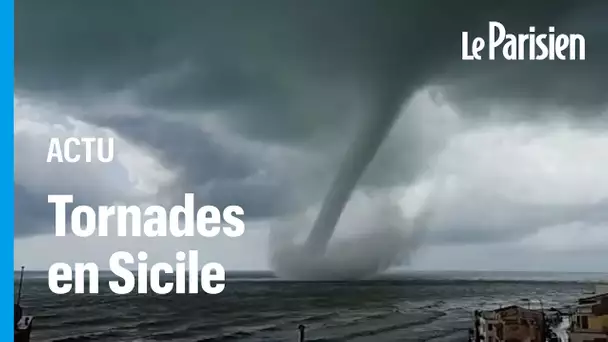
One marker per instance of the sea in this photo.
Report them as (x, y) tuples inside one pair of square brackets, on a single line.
[(256, 306)]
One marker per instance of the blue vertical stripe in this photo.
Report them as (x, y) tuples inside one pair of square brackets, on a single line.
[(7, 289)]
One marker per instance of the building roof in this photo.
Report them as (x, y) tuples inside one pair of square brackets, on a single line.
[(510, 307), (593, 298), (516, 309)]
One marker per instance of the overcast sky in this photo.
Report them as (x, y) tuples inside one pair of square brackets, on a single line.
[(255, 105)]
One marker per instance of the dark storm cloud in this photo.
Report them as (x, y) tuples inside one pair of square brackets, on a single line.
[(216, 174), (33, 214), (285, 71), (183, 145), (282, 71), (296, 65)]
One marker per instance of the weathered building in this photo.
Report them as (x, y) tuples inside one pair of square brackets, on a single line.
[(590, 320), (509, 324)]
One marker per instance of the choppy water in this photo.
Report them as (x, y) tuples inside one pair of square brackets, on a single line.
[(406, 307)]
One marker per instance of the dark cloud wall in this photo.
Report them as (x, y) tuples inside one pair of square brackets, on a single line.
[(296, 62), (284, 69)]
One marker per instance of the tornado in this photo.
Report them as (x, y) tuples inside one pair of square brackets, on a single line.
[(359, 155)]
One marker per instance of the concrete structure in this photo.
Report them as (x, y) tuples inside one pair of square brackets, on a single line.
[(509, 324), (590, 320)]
